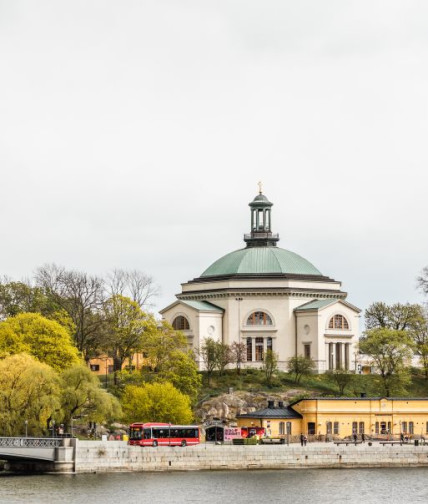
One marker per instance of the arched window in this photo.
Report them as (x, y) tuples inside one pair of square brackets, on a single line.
[(338, 322), (259, 318), (180, 323)]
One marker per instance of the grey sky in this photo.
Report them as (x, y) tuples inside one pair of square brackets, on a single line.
[(133, 133)]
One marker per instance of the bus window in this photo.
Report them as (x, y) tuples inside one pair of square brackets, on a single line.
[(160, 433), (136, 433), (147, 434)]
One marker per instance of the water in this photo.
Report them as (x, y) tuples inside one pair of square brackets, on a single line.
[(315, 486)]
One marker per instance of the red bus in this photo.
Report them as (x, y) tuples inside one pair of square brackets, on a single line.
[(163, 434)]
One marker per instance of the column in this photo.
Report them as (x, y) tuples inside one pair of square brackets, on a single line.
[(338, 355), (347, 345)]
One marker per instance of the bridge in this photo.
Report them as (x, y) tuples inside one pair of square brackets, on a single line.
[(31, 454)]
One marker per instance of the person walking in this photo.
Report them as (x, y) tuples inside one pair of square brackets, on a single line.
[(305, 440), (302, 439), (363, 437)]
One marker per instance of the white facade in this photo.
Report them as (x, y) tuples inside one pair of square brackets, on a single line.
[(286, 308)]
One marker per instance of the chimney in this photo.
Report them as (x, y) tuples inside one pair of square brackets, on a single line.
[(271, 405), (363, 394), (280, 404)]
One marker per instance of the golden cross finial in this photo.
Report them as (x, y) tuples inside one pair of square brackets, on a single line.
[(260, 187)]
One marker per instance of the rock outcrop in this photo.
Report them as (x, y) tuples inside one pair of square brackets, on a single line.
[(225, 407)]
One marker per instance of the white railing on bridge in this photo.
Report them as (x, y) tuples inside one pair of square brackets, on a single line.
[(29, 442)]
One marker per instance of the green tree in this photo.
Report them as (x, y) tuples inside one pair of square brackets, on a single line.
[(83, 397), (419, 333), (343, 378), (390, 351), (208, 354), (239, 355), (400, 317), (270, 365), (300, 366), (223, 356), (44, 339), (170, 360), (124, 332), (29, 391), (21, 297), (156, 402)]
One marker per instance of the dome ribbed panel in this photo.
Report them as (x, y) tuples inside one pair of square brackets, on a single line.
[(261, 260)]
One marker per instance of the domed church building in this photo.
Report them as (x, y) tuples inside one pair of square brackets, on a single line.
[(268, 298)]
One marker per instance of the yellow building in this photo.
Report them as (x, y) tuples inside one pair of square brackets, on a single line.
[(103, 365), (343, 417)]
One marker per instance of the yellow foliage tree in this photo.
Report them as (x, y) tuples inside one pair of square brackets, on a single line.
[(29, 391), (156, 402), (46, 340)]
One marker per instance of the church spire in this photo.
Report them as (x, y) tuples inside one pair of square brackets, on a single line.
[(261, 233)]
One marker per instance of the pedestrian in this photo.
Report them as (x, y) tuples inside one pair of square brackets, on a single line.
[(402, 437), (302, 439), (305, 440), (355, 437), (363, 437)]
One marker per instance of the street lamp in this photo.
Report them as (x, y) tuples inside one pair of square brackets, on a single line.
[(26, 428)]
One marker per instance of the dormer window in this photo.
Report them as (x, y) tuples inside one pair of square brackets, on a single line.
[(259, 318), (181, 323), (338, 322)]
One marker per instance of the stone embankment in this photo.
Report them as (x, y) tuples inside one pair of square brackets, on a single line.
[(113, 456)]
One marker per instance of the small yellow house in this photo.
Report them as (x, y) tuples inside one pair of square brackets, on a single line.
[(280, 420), (343, 417)]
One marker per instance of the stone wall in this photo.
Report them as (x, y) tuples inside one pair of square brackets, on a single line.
[(110, 456)]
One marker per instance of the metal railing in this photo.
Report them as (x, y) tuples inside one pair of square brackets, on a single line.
[(24, 442)]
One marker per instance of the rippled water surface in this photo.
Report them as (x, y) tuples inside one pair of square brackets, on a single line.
[(286, 486)]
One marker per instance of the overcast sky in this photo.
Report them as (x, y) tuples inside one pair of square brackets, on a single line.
[(133, 135)]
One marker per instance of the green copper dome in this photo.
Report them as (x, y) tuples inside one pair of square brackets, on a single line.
[(261, 260)]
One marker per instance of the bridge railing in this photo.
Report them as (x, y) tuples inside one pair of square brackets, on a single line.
[(29, 442)]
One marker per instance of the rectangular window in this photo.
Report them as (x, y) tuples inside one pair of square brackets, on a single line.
[(307, 351), (329, 428), (426, 431), (361, 427), (411, 428), (311, 428), (330, 356), (336, 428), (404, 427), (377, 427), (288, 427), (95, 367), (281, 428), (259, 349), (354, 427), (110, 369), (249, 349), (269, 344)]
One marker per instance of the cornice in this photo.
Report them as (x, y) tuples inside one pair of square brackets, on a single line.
[(262, 292)]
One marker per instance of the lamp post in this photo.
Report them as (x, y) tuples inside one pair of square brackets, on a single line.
[(26, 428), (53, 428)]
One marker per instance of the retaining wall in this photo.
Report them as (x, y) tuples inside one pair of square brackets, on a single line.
[(111, 456)]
